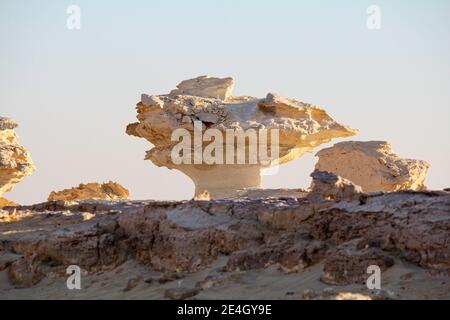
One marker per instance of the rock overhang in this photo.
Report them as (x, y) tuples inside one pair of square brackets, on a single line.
[(208, 102)]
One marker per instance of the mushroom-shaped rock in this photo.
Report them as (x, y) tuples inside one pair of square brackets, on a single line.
[(92, 191), (15, 161), (223, 142), (373, 166)]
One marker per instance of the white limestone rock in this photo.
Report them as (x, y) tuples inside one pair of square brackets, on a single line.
[(374, 166), (15, 161), (208, 102)]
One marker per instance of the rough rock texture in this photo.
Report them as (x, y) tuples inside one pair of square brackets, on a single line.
[(15, 161), (205, 195), (92, 191), (207, 103), (294, 234), (256, 193), (6, 203), (206, 87), (348, 263), (373, 166), (328, 186), (331, 294)]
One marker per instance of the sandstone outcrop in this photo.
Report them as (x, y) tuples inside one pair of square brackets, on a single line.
[(373, 166), (15, 161), (189, 236), (92, 191), (275, 130)]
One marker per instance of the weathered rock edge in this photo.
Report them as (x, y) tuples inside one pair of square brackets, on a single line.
[(187, 236)]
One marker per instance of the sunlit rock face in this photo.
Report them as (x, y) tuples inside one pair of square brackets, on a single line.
[(15, 161), (374, 166), (6, 203), (92, 191), (275, 130), (207, 87)]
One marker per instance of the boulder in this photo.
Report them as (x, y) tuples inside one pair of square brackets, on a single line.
[(374, 166), (328, 186)]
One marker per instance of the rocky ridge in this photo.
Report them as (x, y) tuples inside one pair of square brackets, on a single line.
[(346, 235)]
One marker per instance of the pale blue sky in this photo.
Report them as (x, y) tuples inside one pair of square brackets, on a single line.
[(73, 92)]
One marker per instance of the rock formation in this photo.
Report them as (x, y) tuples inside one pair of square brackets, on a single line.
[(184, 237), (92, 191), (328, 186), (278, 130), (205, 195), (6, 203), (373, 166), (206, 87), (15, 161)]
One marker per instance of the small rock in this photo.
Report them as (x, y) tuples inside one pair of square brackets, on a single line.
[(169, 277), (203, 196), (132, 283), (150, 100), (329, 186), (351, 296), (181, 293), (208, 117), (205, 86), (385, 295), (149, 280), (106, 191), (407, 276)]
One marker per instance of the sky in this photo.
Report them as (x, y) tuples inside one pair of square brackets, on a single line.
[(74, 91)]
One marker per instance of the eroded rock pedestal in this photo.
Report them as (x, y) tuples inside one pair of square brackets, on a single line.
[(209, 104), (15, 161)]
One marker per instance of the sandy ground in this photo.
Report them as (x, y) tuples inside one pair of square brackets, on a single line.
[(403, 281)]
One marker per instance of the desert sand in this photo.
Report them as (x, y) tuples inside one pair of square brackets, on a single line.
[(403, 281)]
